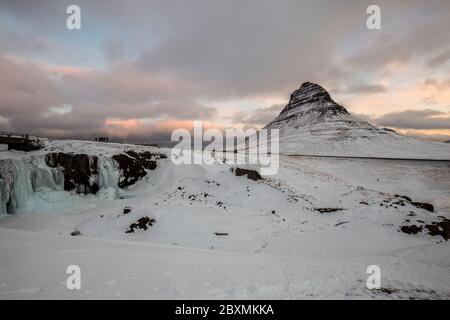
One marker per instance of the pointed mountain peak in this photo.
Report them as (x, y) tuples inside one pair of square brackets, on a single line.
[(312, 97), (310, 92)]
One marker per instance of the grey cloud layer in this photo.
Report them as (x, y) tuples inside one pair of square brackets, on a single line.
[(415, 119), (260, 116), (163, 59)]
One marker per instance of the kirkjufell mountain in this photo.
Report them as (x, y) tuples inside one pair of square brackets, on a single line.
[(312, 123)]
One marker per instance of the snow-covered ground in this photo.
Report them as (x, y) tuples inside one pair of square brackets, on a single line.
[(217, 235), (33, 267)]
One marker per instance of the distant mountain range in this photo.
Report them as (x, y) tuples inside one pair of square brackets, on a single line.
[(312, 123)]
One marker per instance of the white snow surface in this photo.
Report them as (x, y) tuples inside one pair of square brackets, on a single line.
[(277, 245)]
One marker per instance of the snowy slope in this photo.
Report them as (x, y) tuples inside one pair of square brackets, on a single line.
[(313, 124), (128, 270), (248, 239)]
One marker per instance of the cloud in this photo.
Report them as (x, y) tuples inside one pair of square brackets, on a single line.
[(25, 90), (79, 103), (415, 119), (261, 116), (427, 136), (439, 59), (366, 88), (150, 61)]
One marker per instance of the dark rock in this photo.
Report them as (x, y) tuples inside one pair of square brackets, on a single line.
[(78, 170), (21, 143), (147, 159), (423, 205), (413, 229), (132, 165), (403, 197), (142, 223), (220, 233), (75, 233), (441, 228), (126, 210), (433, 230), (328, 210), (251, 174), (131, 170), (388, 290)]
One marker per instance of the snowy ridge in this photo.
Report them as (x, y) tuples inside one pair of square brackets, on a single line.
[(313, 124)]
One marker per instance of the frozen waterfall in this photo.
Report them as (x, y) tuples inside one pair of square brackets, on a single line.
[(23, 177)]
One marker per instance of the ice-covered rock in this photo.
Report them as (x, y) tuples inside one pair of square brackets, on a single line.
[(20, 177), (132, 165), (80, 171), (102, 175)]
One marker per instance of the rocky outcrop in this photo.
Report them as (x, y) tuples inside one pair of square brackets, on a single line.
[(21, 143), (132, 165), (143, 223), (310, 93), (421, 205), (436, 228), (251, 174), (80, 171), (413, 229)]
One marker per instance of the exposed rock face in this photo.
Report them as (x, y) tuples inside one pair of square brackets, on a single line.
[(441, 228), (424, 205), (142, 223), (436, 228), (20, 143), (251, 174), (420, 205), (80, 171), (328, 210), (130, 170), (311, 93), (413, 229), (132, 165)]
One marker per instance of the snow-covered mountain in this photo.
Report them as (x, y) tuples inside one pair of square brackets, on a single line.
[(312, 123)]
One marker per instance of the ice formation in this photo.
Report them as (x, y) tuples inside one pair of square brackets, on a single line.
[(21, 177)]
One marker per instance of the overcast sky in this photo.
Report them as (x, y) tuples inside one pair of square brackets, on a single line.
[(138, 69)]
